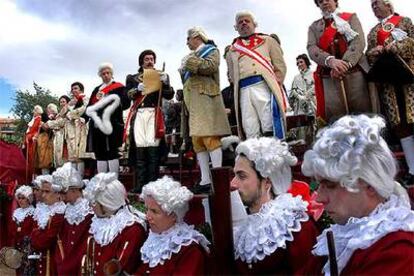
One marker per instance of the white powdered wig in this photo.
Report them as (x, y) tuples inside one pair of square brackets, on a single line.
[(198, 31), (36, 182), (272, 160), (170, 195), (352, 149), (247, 14), (105, 65), (47, 178), (52, 108), (25, 191), (67, 176), (107, 190), (38, 109)]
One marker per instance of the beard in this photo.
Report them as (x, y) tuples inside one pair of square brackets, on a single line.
[(253, 198)]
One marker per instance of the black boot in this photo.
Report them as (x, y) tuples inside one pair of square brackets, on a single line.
[(153, 165), (141, 173)]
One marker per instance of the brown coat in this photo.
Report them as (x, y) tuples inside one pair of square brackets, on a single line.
[(202, 97)]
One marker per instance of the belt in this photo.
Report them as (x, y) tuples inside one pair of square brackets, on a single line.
[(250, 81)]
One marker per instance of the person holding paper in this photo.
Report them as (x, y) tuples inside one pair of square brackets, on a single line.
[(145, 89)]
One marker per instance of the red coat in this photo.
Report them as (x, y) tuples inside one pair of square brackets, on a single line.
[(45, 241), (285, 261), (191, 260), (20, 230), (391, 255), (30, 146), (74, 239), (135, 235)]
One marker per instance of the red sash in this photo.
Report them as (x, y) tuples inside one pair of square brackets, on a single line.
[(325, 43), (248, 50), (385, 31), (132, 111), (107, 89)]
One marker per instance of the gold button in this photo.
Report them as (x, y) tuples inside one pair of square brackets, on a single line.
[(255, 72), (250, 266), (72, 243), (40, 265), (253, 64), (99, 253), (73, 232), (97, 263)]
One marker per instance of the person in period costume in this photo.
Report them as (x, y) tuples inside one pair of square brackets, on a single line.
[(76, 128), (78, 217), (336, 43), (44, 156), (302, 94), (106, 126), (45, 238), (117, 230), (58, 127), (394, 35), (22, 220), (257, 70), (144, 150), (173, 247), (278, 234), (203, 102), (29, 142), (374, 226)]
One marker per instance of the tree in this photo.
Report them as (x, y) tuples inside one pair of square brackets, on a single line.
[(24, 102)]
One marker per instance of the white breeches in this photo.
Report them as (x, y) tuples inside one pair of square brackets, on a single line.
[(144, 128), (256, 111)]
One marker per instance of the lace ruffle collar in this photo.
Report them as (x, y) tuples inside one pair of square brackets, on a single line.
[(76, 213), (159, 248), (105, 230), (45, 212), (269, 229), (361, 233), (21, 213)]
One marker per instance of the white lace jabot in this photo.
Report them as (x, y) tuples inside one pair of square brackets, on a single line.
[(361, 233), (105, 230), (76, 213), (46, 212), (269, 229), (21, 213), (160, 247)]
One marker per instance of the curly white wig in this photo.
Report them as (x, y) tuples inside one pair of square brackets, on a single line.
[(272, 159), (47, 178), (105, 65), (197, 31), (36, 182), (38, 109), (170, 195), (52, 108), (25, 191), (67, 176), (246, 14), (107, 190), (352, 149)]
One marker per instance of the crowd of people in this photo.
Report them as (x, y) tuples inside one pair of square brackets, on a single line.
[(70, 225)]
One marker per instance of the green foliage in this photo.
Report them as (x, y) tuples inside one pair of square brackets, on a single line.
[(3, 195), (24, 102), (14, 139)]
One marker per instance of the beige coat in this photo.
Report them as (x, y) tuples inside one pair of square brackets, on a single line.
[(58, 127), (241, 67), (202, 96), (76, 132)]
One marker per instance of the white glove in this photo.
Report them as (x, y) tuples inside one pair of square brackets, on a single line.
[(141, 87), (164, 77)]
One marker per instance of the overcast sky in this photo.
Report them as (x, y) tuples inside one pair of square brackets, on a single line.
[(57, 42)]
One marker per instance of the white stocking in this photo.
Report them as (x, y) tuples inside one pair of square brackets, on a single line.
[(114, 166), (203, 159), (102, 166), (216, 157), (407, 144)]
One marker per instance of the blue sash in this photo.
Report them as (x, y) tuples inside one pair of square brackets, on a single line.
[(207, 49), (278, 129)]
